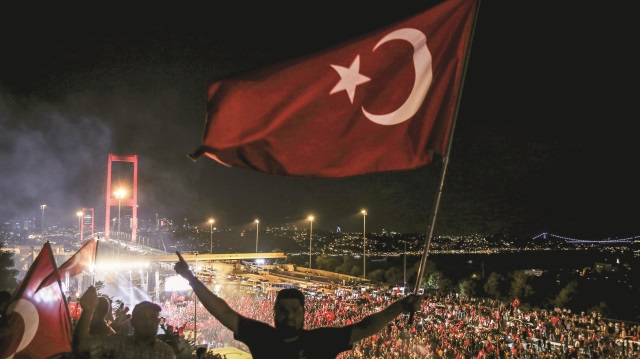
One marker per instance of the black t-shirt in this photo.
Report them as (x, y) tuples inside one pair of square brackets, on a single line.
[(264, 342)]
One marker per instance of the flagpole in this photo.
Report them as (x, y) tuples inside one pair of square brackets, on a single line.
[(195, 308), (95, 256), (436, 201)]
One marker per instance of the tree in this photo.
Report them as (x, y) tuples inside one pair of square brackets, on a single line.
[(350, 266), (566, 294), (328, 263), (412, 273), (493, 284), (520, 288), (393, 275), (8, 280), (376, 275), (339, 264), (437, 281), (467, 287)]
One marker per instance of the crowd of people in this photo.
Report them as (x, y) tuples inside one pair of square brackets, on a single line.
[(449, 326), (443, 326)]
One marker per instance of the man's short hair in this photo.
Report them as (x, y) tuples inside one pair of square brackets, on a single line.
[(289, 293), (146, 305)]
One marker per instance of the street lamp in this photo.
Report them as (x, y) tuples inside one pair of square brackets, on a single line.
[(310, 218), (211, 220), (79, 214), (364, 244), (119, 195), (42, 207), (257, 229)]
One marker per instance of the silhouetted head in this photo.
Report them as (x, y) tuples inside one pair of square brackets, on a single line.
[(288, 312), (145, 318)]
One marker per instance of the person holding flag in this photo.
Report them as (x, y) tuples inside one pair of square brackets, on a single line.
[(143, 343), (384, 101), (289, 339)]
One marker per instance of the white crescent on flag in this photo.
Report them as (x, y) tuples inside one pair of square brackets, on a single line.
[(421, 83), (31, 319), (350, 77)]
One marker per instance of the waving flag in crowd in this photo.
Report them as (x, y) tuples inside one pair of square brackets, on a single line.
[(83, 260), (382, 102), (38, 319), (515, 303)]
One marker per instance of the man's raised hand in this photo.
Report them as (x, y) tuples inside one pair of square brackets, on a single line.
[(89, 299), (182, 267)]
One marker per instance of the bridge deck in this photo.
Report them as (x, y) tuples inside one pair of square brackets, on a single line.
[(210, 257)]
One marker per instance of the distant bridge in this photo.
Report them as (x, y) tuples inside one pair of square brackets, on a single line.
[(576, 240), (140, 253)]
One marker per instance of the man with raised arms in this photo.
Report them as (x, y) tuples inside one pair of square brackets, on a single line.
[(288, 338)]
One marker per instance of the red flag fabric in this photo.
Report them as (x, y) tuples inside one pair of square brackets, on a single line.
[(39, 324), (75, 310), (83, 260), (382, 102), (329, 316), (181, 329)]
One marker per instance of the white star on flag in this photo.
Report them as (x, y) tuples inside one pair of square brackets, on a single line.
[(349, 78), (284, 119)]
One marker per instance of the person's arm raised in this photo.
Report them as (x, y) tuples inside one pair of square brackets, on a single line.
[(88, 301), (373, 323), (214, 304)]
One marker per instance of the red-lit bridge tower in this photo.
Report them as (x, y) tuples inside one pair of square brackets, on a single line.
[(128, 201)]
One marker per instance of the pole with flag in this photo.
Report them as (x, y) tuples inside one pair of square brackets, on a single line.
[(93, 265), (385, 101), (436, 202), (195, 307), (39, 324)]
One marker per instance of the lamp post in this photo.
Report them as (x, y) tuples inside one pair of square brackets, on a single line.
[(211, 220), (364, 243), (119, 195), (79, 214), (42, 207), (310, 218), (257, 229)]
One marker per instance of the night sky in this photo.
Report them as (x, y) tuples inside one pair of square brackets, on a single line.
[(545, 138)]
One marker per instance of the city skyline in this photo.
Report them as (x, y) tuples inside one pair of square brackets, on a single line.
[(147, 228), (542, 142)]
